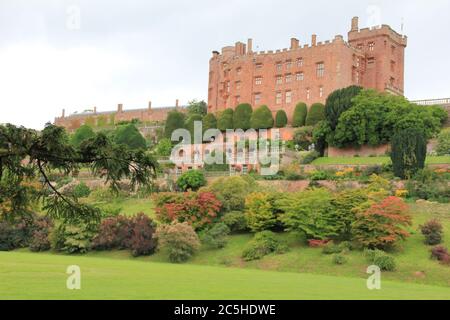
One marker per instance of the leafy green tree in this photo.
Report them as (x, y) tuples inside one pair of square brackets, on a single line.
[(192, 179), (225, 120), (443, 146), (27, 156), (281, 119), (409, 151), (129, 136), (316, 114), (242, 116), (262, 118), (259, 212), (190, 123), (300, 113), (209, 122), (338, 102), (81, 134), (163, 148), (197, 107), (175, 120)]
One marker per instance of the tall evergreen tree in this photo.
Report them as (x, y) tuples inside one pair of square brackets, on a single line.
[(281, 119), (225, 120), (242, 116), (300, 112), (338, 102), (175, 120), (262, 118)]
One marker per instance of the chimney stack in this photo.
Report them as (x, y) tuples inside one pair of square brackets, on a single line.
[(176, 103), (250, 46), (314, 40), (119, 107), (63, 113), (149, 105), (294, 43), (355, 24), (95, 110)]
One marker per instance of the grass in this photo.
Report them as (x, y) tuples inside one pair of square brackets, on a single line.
[(372, 160), (25, 275)]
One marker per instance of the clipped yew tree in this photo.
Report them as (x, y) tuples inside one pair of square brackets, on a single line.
[(281, 119), (408, 152), (175, 120), (300, 112), (209, 122), (83, 133), (316, 114), (242, 116), (338, 102), (262, 118), (225, 120)]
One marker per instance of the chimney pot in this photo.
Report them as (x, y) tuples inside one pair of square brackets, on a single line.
[(63, 113), (119, 107), (176, 103), (95, 110), (250, 45), (149, 105), (314, 40), (294, 43), (355, 24)]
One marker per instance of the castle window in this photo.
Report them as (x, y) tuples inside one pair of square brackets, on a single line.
[(300, 62), (321, 92), (300, 76), (279, 66), (320, 69), (288, 65), (392, 81), (237, 100), (259, 65), (258, 80), (288, 78), (238, 85), (393, 66), (308, 94), (370, 61), (288, 96), (257, 98), (279, 80), (278, 98), (371, 46), (360, 46), (239, 70)]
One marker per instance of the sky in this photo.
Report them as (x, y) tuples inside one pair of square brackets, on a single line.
[(78, 54)]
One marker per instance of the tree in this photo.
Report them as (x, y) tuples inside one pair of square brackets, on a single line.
[(242, 116), (443, 146), (262, 118), (190, 124), (281, 119), (27, 155), (225, 120), (129, 136), (300, 113), (209, 122), (192, 179), (338, 102), (174, 121), (315, 115), (179, 240), (81, 134), (382, 224), (259, 212), (164, 148), (197, 107), (408, 152)]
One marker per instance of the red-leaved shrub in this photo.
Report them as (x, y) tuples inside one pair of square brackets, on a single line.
[(441, 254)]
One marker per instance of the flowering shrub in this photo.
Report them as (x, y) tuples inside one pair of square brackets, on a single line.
[(179, 240), (441, 254), (198, 209), (401, 193)]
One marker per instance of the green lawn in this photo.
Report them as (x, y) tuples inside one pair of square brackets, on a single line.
[(26, 275), (371, 160)]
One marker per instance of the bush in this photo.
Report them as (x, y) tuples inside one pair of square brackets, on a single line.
[(332, 248), (113, 233), (319, 176), (380, 259), (9, 237), (225, 120), (179, 240), (339, 259), (443, 146), (409, 150), (262, 118), (81, 190), (316, 114), (428, 185), (300, 113), (192, 179), (216, 236), (40, 238), (71, 238), (209, 122), (236, 221), (259, 212), (338, 102), (263, 243), (432, 230), (198, 209), (303, 137), (281, 119), (174, 121), (141, 241), (83, 133), (242, 116), (129, 136), (309, 157), (441, 254)]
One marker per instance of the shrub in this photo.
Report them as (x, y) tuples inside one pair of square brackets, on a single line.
[(129, 136), (319, 176), (81, 190), (262, 118), (209, 122), (443, 146), (179, 240), (225, 120), (300, 113), (141, 241), (113, 233), (262, 244), (40, 238), (338, 102), (382, 224), (332, 248), (380, 259), (71, 238), (21, 231), (216, 236), (242, 116), (409, 150), (432, 230), (232, 191), (428, 185), (83, 133), (303, 137), (339, 259), (9, 237), (280, 119), (309, 157), (164, 148), (174, 121), (192, 179), (236, 221), (316, 114), (259, 212), (198, 209), (441, 254)]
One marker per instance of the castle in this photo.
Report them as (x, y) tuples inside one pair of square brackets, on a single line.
[(371, 58)]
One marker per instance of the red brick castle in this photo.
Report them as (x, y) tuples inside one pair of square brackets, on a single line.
[(371, 58)]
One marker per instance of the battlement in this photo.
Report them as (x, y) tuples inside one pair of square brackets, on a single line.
[(382, 30)]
